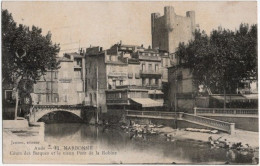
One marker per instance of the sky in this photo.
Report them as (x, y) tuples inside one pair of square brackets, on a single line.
[(81, 24)]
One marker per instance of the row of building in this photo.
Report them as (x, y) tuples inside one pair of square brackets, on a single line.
[(124, 76)]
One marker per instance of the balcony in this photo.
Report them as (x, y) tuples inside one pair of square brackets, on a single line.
[(138, 87), (150, 73), (77, 66), (150, 57)]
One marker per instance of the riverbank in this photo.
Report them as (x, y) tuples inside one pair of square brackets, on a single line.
[(245, 137), (249, 140)]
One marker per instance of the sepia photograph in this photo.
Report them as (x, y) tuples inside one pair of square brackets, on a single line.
[(129, 82)]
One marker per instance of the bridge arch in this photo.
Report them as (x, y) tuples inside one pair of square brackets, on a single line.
[(39, 113)]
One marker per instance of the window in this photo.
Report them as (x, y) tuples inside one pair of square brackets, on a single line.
[(130, 75), (143, 67), (150, 81), (39, 98), (119, 95), (77, 73), (150, 67), (79, 62), (137, 75), (48, 98), (65, 98), (156, 81), (121, 82), (114, 83), (110, 58), (156, 67), (56, 98), (55, 74), (90, 98), (162, 61), (95, 96), (8, 95), (166, 62), (179, 87), (48, 85), (179, 76), (143, 81)]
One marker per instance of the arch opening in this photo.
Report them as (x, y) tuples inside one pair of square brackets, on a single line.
[(59, 116)]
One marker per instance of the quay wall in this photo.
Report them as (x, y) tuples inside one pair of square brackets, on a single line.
[(244, 123), (15, 124)]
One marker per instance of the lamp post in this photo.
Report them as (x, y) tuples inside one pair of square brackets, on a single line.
[(97, 118)]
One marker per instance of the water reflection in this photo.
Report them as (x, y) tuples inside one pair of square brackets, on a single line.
[(151, 149)]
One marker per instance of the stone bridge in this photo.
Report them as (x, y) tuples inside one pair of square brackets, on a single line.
[(38, 111)]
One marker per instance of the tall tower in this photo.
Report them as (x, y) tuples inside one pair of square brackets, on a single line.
[(170, 29)]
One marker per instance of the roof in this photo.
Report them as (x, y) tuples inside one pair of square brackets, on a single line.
[(133, 61), (75, 55), (147, 102), (116, 62), (63, 59), (158, 92)]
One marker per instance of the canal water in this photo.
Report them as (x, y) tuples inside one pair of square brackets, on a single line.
[(152, 149)]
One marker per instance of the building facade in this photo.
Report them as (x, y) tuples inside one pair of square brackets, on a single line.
[(63, 86), (125, 74), (181, 92)]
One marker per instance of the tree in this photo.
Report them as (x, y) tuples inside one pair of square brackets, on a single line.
[(221, 60), (26, 54)]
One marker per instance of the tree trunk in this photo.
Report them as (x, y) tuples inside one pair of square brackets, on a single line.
[(16, 104), (16, 96), (225, 98)]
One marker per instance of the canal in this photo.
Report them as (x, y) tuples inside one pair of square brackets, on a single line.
[(151, 149)]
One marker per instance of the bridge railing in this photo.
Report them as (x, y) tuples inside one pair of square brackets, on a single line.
[(234, 111), (221, 125), (151, 113)]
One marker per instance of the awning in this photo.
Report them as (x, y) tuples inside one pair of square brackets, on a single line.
[(147, 102), (157, 92), (230, 98), (251, 96)]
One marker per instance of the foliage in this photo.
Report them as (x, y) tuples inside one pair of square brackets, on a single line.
[(221, 60), (27, 54)]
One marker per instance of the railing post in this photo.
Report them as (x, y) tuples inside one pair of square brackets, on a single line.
[(180, 115), (232, 128), (195, 110)]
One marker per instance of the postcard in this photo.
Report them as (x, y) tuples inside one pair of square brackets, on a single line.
[(130, 82)]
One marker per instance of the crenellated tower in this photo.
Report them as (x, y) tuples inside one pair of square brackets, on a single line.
[(171, 29)]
